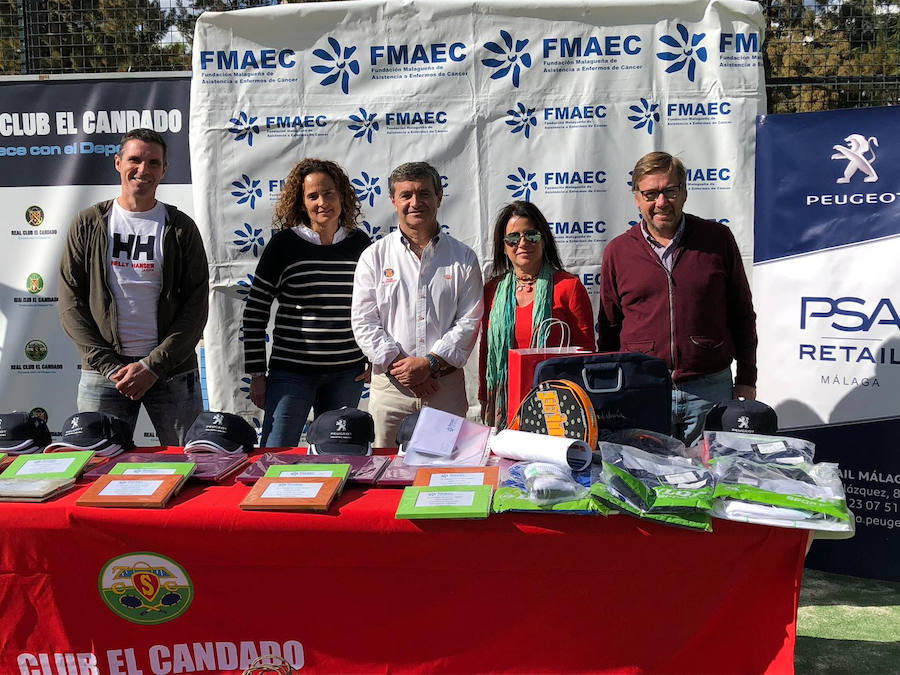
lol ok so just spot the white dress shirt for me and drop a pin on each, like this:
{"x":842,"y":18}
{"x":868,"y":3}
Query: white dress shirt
{"x":406,"y":306}
{"x":310,"y":235}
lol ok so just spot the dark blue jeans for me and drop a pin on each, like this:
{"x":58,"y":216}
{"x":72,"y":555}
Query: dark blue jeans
{"x":290,"y":397}
{"x":692,"y":399}
{"x":172,"y":404}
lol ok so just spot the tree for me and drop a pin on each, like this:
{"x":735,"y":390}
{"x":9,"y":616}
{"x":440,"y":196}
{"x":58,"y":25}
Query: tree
{"x":75,"y":36}
{"x":831,"y":54}
{"x":185,"y":14}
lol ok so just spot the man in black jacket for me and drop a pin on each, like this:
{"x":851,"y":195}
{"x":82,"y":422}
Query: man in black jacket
{"x":133,"y":297}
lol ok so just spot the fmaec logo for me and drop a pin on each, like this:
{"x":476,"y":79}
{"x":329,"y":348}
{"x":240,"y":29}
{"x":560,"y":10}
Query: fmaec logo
{"x":363,"y":125}
{"x":513,"y":57}
{"x":366,"y":188}
{"x":855,"y":154}
{"x":336,"y":65}
{"x":521,"y":119}
{"x":244,"y":126}
{"x":644,"y":115}
{"x":34,"y":216}
{"x":522,"y":184}
{"x":146,"y":588}
{"x":686,"y":51}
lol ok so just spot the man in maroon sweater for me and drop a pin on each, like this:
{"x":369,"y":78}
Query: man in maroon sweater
{"x":674,"y":287}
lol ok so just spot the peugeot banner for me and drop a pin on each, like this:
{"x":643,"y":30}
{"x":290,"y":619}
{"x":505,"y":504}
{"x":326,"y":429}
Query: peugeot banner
{"x":827,"y":241}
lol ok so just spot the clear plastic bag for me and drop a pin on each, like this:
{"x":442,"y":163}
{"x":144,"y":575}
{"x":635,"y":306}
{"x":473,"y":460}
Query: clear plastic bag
{"x":547,"y":483}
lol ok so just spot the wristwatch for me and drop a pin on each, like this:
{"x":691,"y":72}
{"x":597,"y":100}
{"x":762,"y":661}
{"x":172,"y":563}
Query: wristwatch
{"x":434,"y":365}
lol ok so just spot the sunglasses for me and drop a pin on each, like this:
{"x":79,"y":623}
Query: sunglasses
{"x":513,"y":238}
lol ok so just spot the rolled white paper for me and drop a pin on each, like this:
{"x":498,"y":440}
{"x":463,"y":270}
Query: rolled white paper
{"x":528,"y":447}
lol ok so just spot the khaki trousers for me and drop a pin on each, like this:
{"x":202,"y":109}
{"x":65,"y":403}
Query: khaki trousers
{"x":388,"y":405}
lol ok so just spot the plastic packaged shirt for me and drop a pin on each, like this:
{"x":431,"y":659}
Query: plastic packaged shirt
{"x":757,"y":447}
{"x":799,"y":495}
{"x":654,"y":483}
{"x":649,"y":441}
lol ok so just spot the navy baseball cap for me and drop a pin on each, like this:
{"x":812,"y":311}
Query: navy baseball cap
{"x":346,"y":431}
{"x":22,"y":433}
{"x":742,"y":415}
{"x":105,"y":434}
{"x":220,"y":432}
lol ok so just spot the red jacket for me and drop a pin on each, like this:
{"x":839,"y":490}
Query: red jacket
{"x":571,"y":304}
{"x":697,"y":320}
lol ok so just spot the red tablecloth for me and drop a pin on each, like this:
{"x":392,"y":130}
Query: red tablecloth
{"x":354,"y":590}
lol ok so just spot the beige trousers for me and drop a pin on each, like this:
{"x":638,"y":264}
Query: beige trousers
{"x":388,"y":405}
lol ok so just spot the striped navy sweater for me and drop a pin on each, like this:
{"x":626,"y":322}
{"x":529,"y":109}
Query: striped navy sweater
{"x":313,"y":285}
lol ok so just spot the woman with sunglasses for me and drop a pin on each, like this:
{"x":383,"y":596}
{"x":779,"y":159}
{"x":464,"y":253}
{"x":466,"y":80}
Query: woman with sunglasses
{"x":528,"y":286}
{"x":308,"y":268}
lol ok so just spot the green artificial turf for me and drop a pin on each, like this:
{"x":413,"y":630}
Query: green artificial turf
{"x":847,"y":625}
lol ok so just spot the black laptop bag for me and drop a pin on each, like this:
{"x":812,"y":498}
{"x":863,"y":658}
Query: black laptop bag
{"x":628,"y":390}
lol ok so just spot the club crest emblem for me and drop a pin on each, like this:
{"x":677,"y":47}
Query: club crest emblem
{"x":34,"y":283}
{"x":858,"y":146}
{"x":146,"y":588}
{"x":36,"y":350}
{"x":34,"y":216}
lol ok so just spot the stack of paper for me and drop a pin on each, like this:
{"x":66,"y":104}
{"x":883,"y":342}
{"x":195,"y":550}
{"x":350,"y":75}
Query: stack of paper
{"x":443,"y":439}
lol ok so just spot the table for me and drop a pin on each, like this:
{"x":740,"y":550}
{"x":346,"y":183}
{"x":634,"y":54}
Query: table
{"x":354,"y":590}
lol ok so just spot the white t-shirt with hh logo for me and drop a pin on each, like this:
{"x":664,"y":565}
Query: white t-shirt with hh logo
{"x":134,"y":262}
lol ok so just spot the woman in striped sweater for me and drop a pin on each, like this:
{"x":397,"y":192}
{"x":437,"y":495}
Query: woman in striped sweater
{"x":308,"y":267}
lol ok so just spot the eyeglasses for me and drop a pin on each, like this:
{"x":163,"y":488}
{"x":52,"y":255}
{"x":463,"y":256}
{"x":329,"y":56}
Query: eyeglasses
{"x":669,"y":193}
{"x":531,"y":236}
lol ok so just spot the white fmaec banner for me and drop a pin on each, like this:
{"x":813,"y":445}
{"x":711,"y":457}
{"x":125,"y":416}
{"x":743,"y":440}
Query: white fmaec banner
{"x":551,"y":102}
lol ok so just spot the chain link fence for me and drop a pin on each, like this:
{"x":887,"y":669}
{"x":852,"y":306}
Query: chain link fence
{"x":818,"y":54}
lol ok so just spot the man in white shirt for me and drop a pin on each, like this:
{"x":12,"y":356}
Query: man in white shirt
{"x":417,"y":304}
{"x":133,"y":297}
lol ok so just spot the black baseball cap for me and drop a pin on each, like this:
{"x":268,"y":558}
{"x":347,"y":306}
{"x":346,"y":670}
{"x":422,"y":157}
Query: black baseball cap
{"x":220,"y":432}
{"x":742,"y":415}
{"x":105,"y":434}
{"x":405,"y":431}
{"x":346,"y":431}
{"x":22,"y":433}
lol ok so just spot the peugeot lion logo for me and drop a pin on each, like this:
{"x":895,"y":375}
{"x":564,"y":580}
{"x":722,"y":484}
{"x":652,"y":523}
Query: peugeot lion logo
{"x":855,"y":154}
{"x":218,"y":418}
{"x":743,"y":422}
{"x":341,"y":425}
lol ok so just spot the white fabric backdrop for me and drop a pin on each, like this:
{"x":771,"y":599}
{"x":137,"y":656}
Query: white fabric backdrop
{"x":551,"y":102}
